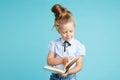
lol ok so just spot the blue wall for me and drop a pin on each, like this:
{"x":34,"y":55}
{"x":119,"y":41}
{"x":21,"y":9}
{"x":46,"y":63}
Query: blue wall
{"x":25,"y":31}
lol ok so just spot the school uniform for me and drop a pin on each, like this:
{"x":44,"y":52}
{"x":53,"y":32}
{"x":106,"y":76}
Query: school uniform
{"x":61,"y":48}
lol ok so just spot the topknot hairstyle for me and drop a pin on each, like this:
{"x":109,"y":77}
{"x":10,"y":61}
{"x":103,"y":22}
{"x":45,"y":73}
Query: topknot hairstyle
{"x":62,"y":15}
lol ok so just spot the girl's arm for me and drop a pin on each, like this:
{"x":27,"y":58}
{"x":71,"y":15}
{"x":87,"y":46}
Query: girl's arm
{"x":54,"y":61}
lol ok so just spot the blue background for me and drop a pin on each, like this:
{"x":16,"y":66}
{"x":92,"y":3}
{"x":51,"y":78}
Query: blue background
{"x":25,"y":31}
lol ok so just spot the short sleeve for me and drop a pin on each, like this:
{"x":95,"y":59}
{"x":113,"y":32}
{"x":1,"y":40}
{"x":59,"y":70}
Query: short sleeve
{"x":81,"y":49}
{"x":51,"y":46}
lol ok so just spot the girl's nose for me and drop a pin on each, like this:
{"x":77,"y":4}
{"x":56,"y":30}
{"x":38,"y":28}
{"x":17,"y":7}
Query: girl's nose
{"x":68,"y":34}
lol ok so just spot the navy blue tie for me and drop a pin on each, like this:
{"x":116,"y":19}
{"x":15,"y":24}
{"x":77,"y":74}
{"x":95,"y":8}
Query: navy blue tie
{"x":66,"y":44}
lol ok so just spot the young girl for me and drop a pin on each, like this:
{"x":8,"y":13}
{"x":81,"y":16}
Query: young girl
{"x":62,"y":50}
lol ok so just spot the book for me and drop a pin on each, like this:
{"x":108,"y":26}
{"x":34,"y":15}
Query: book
{"x":66,"y":67}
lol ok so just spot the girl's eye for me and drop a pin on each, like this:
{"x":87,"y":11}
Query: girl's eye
{"x":71,"y":31}
{"x":64,"y":32}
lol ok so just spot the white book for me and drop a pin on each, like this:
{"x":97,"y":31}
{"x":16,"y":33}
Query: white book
{"x":66,"y":68}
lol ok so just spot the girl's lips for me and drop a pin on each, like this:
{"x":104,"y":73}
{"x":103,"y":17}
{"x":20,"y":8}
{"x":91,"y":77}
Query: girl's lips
{"x":68,"y":38}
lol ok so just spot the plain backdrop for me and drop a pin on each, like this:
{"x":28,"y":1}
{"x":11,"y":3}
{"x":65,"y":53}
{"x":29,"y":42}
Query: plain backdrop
{"x":25,"y":32}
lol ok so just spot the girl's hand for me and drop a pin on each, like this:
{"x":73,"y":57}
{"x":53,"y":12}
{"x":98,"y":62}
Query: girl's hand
{"x":64,"y":75}
{"x":65,"y":60}
{"x":69,"y":59}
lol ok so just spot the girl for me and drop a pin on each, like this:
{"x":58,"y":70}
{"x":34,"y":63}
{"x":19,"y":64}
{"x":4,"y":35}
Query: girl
{"x":62,"y":50}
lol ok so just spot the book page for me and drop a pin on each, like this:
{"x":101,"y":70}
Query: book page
{"x":54,"y":69}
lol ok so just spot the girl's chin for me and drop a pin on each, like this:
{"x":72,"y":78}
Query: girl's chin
{"x":68,"y":39}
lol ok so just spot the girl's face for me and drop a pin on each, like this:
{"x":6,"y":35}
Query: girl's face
{"x":67,"y":31}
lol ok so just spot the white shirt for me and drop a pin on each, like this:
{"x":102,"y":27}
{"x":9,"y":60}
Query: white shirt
{"x":74,"y":50}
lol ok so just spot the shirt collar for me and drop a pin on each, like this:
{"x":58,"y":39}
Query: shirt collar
{"x":62,"y":40}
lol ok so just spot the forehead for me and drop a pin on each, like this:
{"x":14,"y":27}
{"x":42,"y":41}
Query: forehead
{"x":68,"y":25}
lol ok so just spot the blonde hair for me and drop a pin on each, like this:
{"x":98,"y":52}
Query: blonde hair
{"x":62,"y":16}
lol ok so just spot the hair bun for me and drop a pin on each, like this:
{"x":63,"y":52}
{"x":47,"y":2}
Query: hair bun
{"x":60,"y":12}
{"x":62,"y":15}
